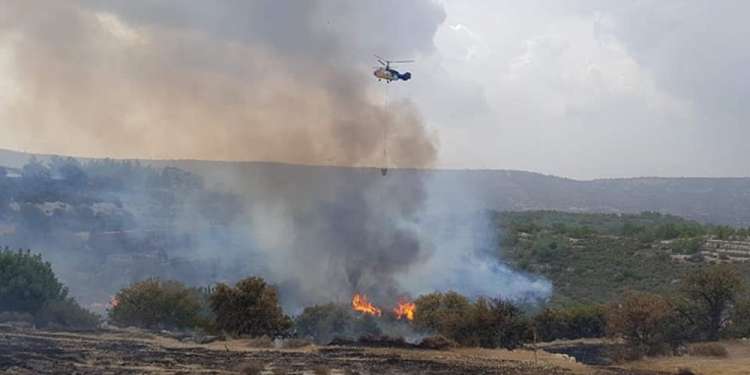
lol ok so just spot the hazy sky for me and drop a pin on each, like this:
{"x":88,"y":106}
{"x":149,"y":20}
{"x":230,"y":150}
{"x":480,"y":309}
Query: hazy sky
{"x":581,"y":89}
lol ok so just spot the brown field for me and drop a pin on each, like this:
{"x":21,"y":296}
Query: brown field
{"x":28,"y":351}
{"x":737,"y":363}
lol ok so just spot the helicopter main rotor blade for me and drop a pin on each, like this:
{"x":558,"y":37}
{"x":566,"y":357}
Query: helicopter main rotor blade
{"x":401,"y":61}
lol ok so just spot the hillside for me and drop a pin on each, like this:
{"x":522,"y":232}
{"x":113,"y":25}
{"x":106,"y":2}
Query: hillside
{"x":707,"y":200}
{"x":105,"y":223}
{"x":593,"y":258}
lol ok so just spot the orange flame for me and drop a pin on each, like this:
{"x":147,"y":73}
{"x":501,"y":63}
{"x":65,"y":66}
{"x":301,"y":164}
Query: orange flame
{"x":361,"y":304}
{"x":405,"y":309}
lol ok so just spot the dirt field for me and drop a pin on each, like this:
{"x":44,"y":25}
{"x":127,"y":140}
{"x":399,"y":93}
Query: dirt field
{"x":27,"y":351}
{"x":737,"y":363}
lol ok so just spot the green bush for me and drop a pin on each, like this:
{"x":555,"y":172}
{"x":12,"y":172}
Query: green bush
{"x":485,"y":322}
{"x":497,"y":323}
{"x":154,"y":303}
{"x":446,"y":314}
{"x":27,"y":282}
{"x":67,"y":314}
{"x":740,"y":320}
{"x":571,"y":323}
{"x":29,"y":288}
{"x":323,"y":323}
{"x":687,"y":246}
{"x":250,"y":308}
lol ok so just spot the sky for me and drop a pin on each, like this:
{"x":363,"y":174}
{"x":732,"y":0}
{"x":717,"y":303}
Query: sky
{"x":581,"y":89}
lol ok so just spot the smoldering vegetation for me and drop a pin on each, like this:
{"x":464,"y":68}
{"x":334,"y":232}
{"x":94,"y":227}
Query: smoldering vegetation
{"x":320,"y":234}
{"x":279,"y":81}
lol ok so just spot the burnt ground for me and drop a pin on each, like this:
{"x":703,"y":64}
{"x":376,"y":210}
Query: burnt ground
{"x":28,"y":351}
{"x":590,"y":353}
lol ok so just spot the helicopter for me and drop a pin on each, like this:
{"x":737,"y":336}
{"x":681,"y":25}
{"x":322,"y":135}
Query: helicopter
{"x":385,"y":72}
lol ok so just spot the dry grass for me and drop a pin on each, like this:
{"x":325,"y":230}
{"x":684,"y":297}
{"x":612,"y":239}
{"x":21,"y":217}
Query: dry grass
{"x":295,"y":343}
{"x":264,"y":342}
{"x":736,"y":363}
{"x":710,"y":349}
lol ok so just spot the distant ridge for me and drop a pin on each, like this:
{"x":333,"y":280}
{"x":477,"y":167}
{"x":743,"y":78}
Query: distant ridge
{"x":724,"y":200}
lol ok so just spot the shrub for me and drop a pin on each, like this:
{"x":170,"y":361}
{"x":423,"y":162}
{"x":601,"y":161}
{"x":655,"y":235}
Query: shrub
{"x":647,"y":322}
{"x":740,"y":319}
{"x":250,"y":308}
{"x":323,"y":323}
{"x":29,"y":288}
{"x":485,"y":322}
{"x":27,"y":282}
{"x":446,"y":314}
{"x":712,"y":290}
{"x":68,"y":314}
{"x":571,"y":323}
{"x":708,"y":350}
{"x":497,"y":323}
{"x":154,"y":303}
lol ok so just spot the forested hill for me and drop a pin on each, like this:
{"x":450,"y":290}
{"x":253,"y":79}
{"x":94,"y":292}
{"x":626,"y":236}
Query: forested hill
{"x":595,"y":258}
{"x":707,"y":200}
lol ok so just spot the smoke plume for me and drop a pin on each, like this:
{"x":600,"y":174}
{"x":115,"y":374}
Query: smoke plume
{"x":283,"y":81}
{"x":260,"y":80}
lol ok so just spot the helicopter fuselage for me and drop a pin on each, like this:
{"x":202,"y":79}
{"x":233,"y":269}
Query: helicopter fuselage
{"x":389,"y":74}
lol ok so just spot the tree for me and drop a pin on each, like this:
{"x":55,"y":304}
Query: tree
{"x":66,"y":313}
{"x":154,"y":303}
{"x":644,"y":321}
{"x":712,"y":291}
{"x":571,"y":323}
{"x":498,"y":323}
{"x":250,"y":308}
{"x":27,"y":282}
{"x":35,"y":170}
{"x":70,"y":170}
{"x":485,"y":322}
{"x":28,"y":286}
{"x":741,"y":319}
{"x":446,"y":314}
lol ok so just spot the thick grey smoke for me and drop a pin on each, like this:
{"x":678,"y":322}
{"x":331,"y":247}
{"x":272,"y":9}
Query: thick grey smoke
{"x":262,"y":80}
{"x":274,"y":80}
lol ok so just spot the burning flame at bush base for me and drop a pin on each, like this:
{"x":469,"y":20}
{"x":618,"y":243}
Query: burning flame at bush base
{"x":361,"y":304}
{"x":404,"y":310}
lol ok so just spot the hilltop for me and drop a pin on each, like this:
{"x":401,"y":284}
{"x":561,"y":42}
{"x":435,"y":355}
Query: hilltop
{"x":706,"y":200}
